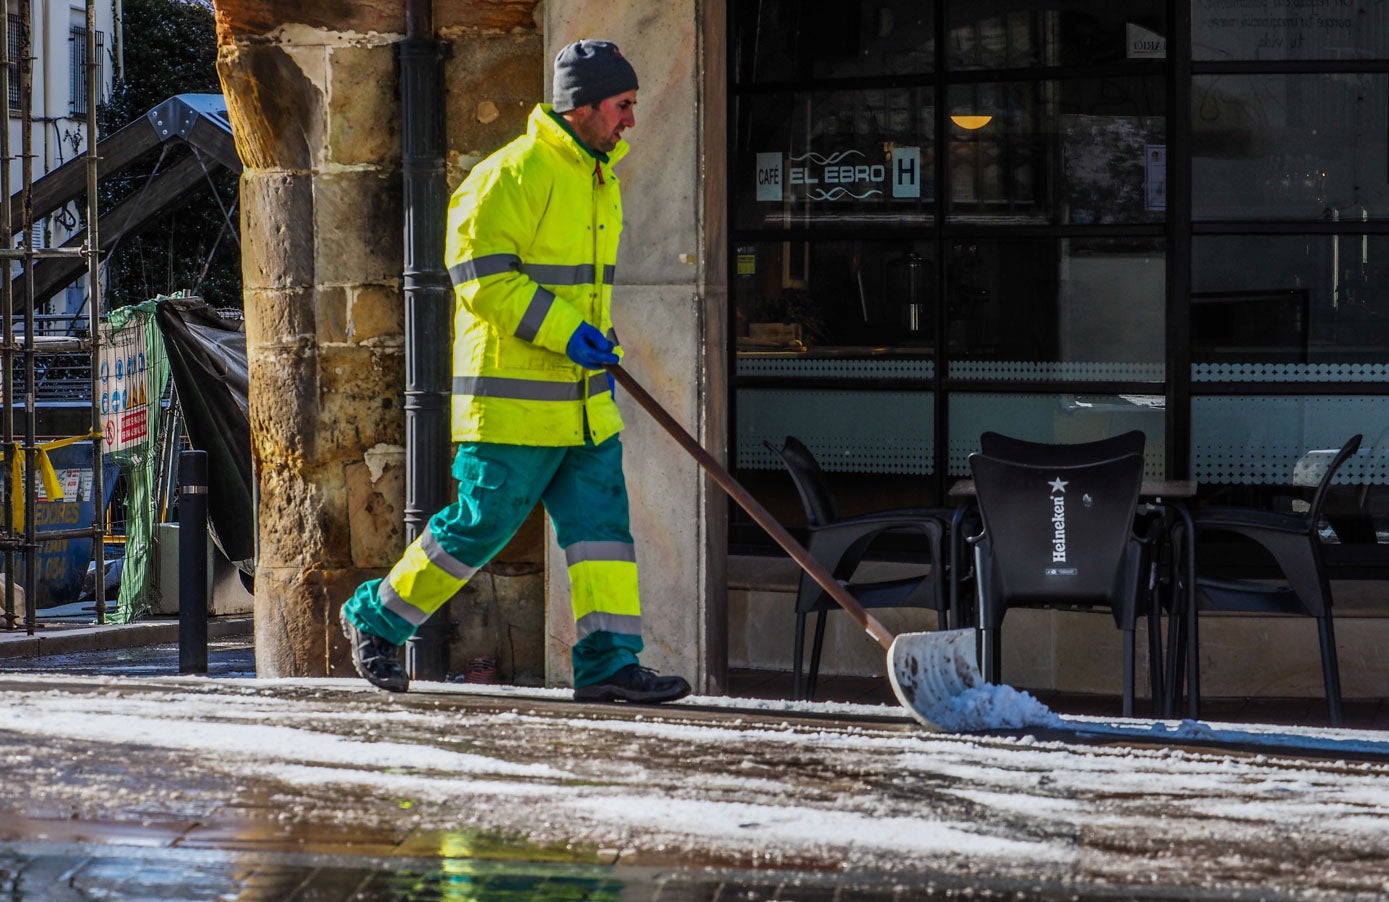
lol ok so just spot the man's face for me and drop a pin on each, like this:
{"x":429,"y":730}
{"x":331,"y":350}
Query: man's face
{"x":600,"y":125}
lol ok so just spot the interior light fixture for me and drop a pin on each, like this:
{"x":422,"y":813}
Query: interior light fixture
{"x":971,"y":123}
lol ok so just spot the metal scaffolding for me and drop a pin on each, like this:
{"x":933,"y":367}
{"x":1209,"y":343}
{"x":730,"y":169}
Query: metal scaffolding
{"x":19,"y":534}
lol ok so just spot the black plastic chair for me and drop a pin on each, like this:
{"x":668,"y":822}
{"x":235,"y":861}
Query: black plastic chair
{"x":1006,"y":447}
{"x":1294,"y":542}
{"x":840,"y":544}
{"x":1063,"y":537}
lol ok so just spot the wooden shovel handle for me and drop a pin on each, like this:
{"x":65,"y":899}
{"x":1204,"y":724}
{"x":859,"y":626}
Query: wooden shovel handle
{"x":798,"y":553}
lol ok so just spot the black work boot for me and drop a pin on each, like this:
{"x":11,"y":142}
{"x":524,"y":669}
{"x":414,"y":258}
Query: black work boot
{"x":377,"y":660}
{"x":634,"y":683}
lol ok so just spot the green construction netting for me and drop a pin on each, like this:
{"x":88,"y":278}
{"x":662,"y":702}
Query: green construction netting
{"x":133,"y":332}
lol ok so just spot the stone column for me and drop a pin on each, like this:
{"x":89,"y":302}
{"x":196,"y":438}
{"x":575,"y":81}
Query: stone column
{"x":317,"y":125}
{"x":311,"y":89}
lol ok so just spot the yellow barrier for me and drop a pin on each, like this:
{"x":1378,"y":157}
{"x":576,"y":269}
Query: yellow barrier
{"x":53,"y":489}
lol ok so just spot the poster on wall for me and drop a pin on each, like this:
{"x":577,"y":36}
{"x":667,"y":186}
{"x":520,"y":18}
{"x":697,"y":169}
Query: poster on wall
{"x":124,"y":384}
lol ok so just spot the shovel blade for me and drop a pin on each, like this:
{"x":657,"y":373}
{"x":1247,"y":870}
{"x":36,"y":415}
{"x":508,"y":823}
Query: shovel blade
{"x":927,"y":670}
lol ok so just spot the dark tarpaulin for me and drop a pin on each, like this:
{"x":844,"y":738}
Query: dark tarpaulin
{"x":207,"y":359}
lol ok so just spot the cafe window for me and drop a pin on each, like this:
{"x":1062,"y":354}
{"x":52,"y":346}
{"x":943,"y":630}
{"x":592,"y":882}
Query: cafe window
{"x":1288,"y":308}
{"x":1077,"y":151}
{"x":1290,"y":146}
{"x":801,"y":40}
{"x":1334,"y":30}
{"x":77,"y":68}
{"x":17,"y":47}
{"x":941,"y":214}
{"x":1008,"y":34}
{"x":835,"y":158}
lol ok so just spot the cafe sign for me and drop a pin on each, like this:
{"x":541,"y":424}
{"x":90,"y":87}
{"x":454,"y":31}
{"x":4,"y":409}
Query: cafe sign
{"x":845,"y":175}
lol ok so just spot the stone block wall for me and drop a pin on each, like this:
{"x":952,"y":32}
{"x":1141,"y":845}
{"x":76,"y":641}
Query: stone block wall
{"x":312,"y":91}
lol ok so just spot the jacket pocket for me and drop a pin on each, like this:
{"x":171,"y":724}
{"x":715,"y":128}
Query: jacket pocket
{"x":522,"y":355}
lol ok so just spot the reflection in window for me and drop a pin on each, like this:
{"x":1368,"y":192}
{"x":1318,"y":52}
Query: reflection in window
{"x":1268,"y":452}
{"x":1038,"y":309}
{"x":1072,"y":151}
{"x":17,"y":47}
{"x":1290,"y":300}
{"x":835,"y":156}
{"x":789,"y":40}
{"x":848,"y":431}
{"x":1011,"y":34}
{"x":820,"y":295}
{"x":1310,"y":147}
{"x":785,"y":40}
{"x":1055,"y":418}
{"x":1051,"y":308}
{"x":1288,"y":31}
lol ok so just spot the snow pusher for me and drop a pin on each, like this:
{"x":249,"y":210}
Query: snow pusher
{"x":927,"y":670}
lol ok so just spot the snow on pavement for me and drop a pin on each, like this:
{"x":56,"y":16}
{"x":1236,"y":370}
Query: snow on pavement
{"x":739,"y":787}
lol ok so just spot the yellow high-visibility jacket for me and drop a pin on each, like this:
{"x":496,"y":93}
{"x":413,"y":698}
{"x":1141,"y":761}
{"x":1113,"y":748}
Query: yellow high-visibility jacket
{"x":532,"y":249}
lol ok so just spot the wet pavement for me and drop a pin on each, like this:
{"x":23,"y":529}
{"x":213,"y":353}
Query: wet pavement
{"x":126,"y":782}
{"x":103,"y":872}
{"x":229,"y":657}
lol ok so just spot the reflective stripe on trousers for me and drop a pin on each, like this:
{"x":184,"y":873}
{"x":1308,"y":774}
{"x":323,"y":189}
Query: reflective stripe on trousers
{"x":603,"y":577}
{"x":583,"y":490}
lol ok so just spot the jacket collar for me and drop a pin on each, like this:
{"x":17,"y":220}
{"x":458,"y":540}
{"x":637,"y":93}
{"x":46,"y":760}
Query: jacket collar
{"x":542,"y":125}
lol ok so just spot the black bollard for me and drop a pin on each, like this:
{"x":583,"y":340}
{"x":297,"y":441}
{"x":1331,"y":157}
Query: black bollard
{"x":192,"y":562}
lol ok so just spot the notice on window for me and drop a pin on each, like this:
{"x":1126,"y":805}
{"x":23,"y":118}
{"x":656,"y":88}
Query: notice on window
{"x":1283,"y":29}
{"x":124,"y":383}
{"x":769,"y":176}
{"x":76,"y":483}
{"x":906,"y":172}
{"x":1144,"y":44}
{"x":1156,"y":176}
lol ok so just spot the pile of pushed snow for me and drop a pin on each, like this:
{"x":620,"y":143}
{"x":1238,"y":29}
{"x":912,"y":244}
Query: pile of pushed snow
{"x":991,"y":707}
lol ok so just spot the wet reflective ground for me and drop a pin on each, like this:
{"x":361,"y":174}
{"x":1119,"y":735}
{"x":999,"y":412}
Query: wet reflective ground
{"x":51,"y":859}
{"x":108,"y":802}
{"x":39,"y":871}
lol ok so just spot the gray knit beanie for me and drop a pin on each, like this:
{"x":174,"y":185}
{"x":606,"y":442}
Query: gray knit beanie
{"x":589,"y":71}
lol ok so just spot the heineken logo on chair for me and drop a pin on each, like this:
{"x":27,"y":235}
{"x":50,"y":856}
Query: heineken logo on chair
{"x":1057,"y":524}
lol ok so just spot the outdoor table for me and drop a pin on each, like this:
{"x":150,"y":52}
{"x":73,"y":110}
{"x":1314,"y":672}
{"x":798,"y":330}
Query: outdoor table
{"x":1172,"y":493}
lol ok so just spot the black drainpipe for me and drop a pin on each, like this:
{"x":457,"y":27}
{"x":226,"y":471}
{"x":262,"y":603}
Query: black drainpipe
{"x":428,"y":299}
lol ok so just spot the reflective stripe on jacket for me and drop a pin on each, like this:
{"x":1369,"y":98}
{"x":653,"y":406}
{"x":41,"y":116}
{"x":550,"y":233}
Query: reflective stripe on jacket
{"x":532,"y":249}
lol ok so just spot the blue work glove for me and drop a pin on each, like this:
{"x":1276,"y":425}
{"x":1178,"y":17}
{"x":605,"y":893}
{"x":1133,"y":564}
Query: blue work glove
{"x":589,"y":349}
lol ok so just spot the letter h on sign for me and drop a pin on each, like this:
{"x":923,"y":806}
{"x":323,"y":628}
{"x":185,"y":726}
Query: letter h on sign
{"x":906,"y":172}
